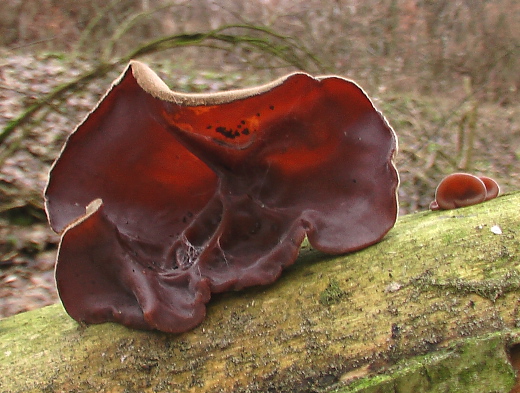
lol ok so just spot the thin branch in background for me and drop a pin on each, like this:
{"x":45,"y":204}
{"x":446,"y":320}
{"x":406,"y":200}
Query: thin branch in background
{"x":126,"y":25}
{"x":15,"y":144}
{"x":92,"y":25}
{"x":467,"y":128}
{"x":33,"y":43}
{"x":57,"y":94}
{"x":4,"y":87}
{"x":469,"y":98}
{"x":262,"y":43}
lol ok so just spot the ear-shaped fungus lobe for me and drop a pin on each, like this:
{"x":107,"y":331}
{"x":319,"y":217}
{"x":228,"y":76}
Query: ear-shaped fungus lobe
{"x":102,"y":277}
{"x":209,"y":193}
{"x":492,"y":187}
{"x":463,"y":189}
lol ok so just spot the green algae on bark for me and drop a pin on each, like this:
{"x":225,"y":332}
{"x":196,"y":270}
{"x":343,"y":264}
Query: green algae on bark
{"x":471,"y":365}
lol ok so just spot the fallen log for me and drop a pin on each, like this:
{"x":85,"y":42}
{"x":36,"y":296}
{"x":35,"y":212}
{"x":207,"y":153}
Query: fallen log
{"x":433,"y":307}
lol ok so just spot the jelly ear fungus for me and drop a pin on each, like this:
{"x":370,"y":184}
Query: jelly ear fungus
{"x":463,"y":189}
{"x":196,"y":194}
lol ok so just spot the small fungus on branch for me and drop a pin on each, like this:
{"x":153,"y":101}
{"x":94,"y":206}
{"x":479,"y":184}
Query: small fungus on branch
{"x":463,"y":189}
{"x":165,"y":198}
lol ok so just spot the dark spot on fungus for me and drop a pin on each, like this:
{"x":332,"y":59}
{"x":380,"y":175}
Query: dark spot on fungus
{"x":239,"y":207}
{"x":227,"y":133}
{"x":271,"y":107}
{"x":463,"y":189}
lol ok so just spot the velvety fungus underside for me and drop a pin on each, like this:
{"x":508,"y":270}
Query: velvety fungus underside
{"x":165,"y":198}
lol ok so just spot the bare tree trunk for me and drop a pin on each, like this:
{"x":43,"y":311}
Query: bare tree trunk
{"x":432,"y":307}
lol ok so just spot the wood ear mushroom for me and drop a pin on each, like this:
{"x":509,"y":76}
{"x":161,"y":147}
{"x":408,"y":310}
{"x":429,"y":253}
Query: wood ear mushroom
{"x":463,"y":189}
{"x":198,"y":194}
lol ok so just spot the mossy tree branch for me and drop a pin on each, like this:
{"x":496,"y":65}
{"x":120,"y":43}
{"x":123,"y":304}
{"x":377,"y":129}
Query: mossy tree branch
{"x":437,"y":281}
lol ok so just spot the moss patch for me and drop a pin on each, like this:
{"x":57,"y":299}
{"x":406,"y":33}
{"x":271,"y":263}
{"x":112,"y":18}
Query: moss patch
{"x":470,"y":365}
{"x":333,"y":294}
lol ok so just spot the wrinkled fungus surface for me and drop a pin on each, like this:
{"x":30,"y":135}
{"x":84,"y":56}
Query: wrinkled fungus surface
{"x":165,"y":198}
{"x":463,"y":189}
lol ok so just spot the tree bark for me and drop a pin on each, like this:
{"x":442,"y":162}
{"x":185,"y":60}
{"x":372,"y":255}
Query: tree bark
{"x":433,"y":307}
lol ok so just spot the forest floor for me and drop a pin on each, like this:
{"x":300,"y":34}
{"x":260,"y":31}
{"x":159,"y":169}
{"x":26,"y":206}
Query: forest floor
{"x":432,"y":129}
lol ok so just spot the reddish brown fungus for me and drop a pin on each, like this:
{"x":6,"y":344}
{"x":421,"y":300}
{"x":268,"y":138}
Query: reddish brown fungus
{"x":463,"y":189}
{"x":492,"y":188}
{"x":183,"y":203}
